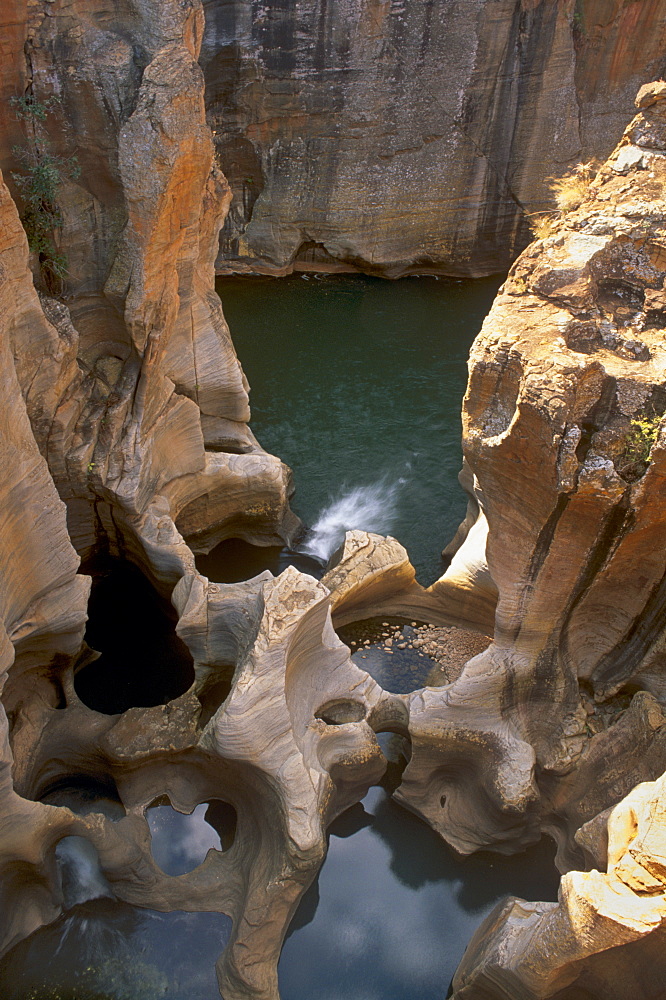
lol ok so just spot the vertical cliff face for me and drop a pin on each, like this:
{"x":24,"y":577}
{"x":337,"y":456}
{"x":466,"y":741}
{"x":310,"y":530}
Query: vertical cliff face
{"x":42,"y":599}
{"x":149,"y":397}
{"x":564,"y":430}
{"x":398,"y":137}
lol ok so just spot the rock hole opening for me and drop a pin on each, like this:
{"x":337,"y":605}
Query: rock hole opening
{"x":84,"y":794}
{"x":143,"y":662}
{"x":235,"y":560}
{"x":180,"y":842}
{"x":339,"y":713}
{"x":214,"y":694}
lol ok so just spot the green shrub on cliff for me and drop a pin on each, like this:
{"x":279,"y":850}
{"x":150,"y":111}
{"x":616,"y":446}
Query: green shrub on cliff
{"x":42,"y":174}
{"x":635,"y":456}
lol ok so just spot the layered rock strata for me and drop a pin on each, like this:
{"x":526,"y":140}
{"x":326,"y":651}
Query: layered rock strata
{"x":131,"y":381}
{"x":411,"y":137}
{"x":121,"y":392}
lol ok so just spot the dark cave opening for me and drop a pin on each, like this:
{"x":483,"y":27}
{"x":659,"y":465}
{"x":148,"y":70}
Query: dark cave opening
{"x":143,"y":662}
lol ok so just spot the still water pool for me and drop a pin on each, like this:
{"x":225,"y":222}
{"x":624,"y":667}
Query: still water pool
{"x":393,"y":909}
{"x":356,"y":383}
{"x":388,"y":919}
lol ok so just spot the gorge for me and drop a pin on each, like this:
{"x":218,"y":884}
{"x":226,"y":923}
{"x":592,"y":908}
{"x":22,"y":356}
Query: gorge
{"x":244,"y":718}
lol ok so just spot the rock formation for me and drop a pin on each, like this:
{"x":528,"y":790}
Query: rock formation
{"x":125,"y":400}
{"x":568,"y":377}
{"x":412,"y":137}
{"x":605,"y":936}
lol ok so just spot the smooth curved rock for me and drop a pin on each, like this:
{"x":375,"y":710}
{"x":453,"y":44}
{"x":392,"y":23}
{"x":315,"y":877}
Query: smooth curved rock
{"x":605,"y":937}
{"x":271,"y":749}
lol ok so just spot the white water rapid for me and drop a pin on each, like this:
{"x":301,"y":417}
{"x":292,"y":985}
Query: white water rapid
{"x":81,"y":876}
{"x":368,"y":508}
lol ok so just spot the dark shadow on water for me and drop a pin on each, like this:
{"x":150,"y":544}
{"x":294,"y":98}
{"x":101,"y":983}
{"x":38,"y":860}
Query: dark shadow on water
{"x":480,"y":878}
{"x":350,"y":822}
{"x":143,"y":662}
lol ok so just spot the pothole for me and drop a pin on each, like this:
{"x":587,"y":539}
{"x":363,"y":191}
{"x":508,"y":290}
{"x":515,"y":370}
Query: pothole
{"x":181,"y":841}
{"x":236,"y":560}
{"x":403,"y":655}
{"x":83,"y":794}
{"x":143,"y":662}
{"x":398,"y":751}
{"x":339,"y":713}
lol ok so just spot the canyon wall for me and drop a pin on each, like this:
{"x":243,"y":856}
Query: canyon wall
{"x":142,"y":394}
{"x":416,"y":137}
{"x":125,"y":400}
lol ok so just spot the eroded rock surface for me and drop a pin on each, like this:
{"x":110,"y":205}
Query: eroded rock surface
{"x":131,"y":392}
{"x":411,"y":137}
{"x":605,"y":936}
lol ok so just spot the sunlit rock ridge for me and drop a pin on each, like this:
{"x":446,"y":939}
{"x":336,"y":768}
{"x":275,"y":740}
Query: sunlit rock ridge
{"x":124,"y":431}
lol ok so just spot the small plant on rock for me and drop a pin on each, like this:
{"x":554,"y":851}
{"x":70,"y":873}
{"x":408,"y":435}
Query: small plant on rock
{"x":42,"y":174}
{"x":635,"y":457}
{"x":571,"y":190}
{"x":542,"y":224}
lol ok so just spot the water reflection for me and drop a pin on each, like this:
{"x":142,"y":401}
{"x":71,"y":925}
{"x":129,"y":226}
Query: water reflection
{"x":393,"y":909}
{"x":107,"y":950}
{"x":180,"y":842}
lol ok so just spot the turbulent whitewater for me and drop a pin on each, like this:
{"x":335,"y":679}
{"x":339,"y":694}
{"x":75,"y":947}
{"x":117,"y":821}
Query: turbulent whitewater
{"x":369,"y":508}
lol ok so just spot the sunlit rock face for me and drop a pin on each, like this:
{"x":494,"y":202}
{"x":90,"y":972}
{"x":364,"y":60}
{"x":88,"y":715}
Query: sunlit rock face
{"x":564,"y":428}
{"x":605,"y":936}
{"x":136,"y":374}
{"x":411,"y":137}
{"x":112,"y":396}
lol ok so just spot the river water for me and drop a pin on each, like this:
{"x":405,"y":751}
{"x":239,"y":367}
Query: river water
{"x":356,"y":384}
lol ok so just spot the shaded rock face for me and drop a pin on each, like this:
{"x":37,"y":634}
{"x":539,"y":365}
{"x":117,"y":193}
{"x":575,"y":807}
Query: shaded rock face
{"x":43,"y":600}
{"x":411,"y":137}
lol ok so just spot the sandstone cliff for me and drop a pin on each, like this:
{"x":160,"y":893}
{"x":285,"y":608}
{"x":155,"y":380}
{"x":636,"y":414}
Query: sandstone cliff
{"x":564,"y":430}
{"x":128,"y":397}
{"x":138,"y":392}
{"x":412,"y":137}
